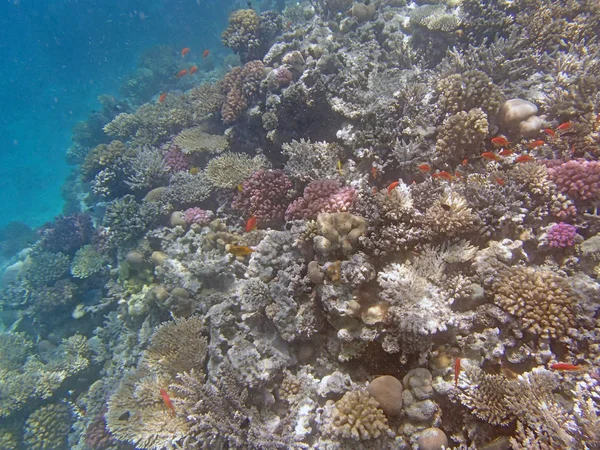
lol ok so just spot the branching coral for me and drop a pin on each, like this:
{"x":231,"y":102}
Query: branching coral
{"x":148,"y":170}
{"x":66,"y":234}
{"x":579,"y":179}
{"x":462,"y":135}
{"x":87,"y":261}
{"x":449,"y":215}
{"x":265,"y":196}
{"x":128,"y":220}
{"x":338,"y":232}
{"x":46,"y":268}
{"x":357,"y":416}
{"x":196,"y":140}
{"x":321,"y":196}
{"x":309,"y":161}
{"x":240,"y":85}
{"x":543,"y":302}
{"x":104,"y":156}
{"x":249,"y":34}
{"x":486,"y":396}
{"x":47,"y":427}
{"x":230,"y":169}
{"x":188,"y":190}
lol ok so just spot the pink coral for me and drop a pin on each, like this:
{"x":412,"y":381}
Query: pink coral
{"x":264,"y":195}
{"x":198,"y":216}
{"x":321,"y":196}
{"x":579,"y":179}
{"x":177,"y":160}
{"x":561,"y":235}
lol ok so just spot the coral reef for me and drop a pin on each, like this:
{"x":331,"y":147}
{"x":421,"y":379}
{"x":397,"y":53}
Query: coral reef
{"x":321,"y":196}
{"x":230,"y":169}
{"x":196,"y":140}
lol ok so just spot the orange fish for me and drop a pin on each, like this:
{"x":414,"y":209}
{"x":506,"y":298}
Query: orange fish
{"x":506,"y":152}
{"x":182,"y":73}
{"x":193,"y":70}
{"x":374,"y":172}
{"x":162,"y":97}
{"x":425,"y":168}
{"x":464,"y":162}
{"x":564,"y":126}
{"x":250,"y":224}
{"x":524,"y":158}
{"x":457,"y":175}
{"x":500,"y":141}
{"x":535,"y":144}
{"x":549,"y":132}
{"x":239,"y":250}
{"x":392,"y":186}
{"x":489,"y":156}
{"x":443,"y":175}
{"x":184,"y":51}
{"x":499,"y":180}
{"x":167,"y":401}
{"x":564,"y":366}
{"x":205,"y":53}
{"x":456,"y":371}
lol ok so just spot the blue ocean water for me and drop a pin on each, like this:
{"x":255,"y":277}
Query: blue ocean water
{"x":57,"y":58}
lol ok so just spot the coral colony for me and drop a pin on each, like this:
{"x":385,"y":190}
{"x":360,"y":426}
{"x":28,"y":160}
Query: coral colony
{"x":373,"y":226}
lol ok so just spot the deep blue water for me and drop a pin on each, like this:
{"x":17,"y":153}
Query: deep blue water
{"x":57,"y":57}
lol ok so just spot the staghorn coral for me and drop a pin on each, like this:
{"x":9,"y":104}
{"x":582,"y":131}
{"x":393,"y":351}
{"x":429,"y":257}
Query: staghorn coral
{"x":87,"y":261}
{"x":338,"y":231}
{"x":148,"y":170}
{"x":462,"y":135}
{"x":240,"y":85}
{"x":230,"y":169}
{"x":265,"y":196}
{"x":166,"y":356}
{"x":308,"y":161}
{"x":196,"y":140}
{"x":321,"y":196}
{"x":467,"y":90}
{"x":47,"y":427}
{"x":358,"y":417}
{"x":542,"y":301}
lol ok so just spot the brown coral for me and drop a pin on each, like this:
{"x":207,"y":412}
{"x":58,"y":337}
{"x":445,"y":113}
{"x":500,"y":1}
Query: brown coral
{"x":449,"y":215}
{"x":242,"y":33}
{"x":486,"y":395}
{"x":239,"y":85}
{"x":103,"y":156}
{"x":357,"y":416}
{"x":543,"y":302}
{"x":467,"y":90}
{"x":462,"y":135}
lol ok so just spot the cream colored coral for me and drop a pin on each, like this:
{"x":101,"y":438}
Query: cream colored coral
{"x":486,"y":395}
{"x":195,"y":139}
{"x":338,"y":231}
{"x":357,"y":416}
{"x":449,"y":215}
{"x":543,"y":302}
{"x":47,"y":427}
{"x":230,"y":169}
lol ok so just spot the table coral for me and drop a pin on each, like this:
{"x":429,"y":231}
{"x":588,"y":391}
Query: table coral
{"x":264,"y":195}
{"x":230,"y":169}
{"x":197,"y":140}
{"x":542,"y":301}
{"x":309,"y":161}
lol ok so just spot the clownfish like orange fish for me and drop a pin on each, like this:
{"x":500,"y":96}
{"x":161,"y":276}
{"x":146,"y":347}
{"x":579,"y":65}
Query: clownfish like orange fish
{"x":162,"y":97}
{"x":205,"y":53}
{"x":250,"y":224}
{"x":181,"y":73}
{"x":193,"y":70}
{"x":184,"y":51}
{"x":167,"y":401}
{"x":456,"y":371}
{"x":564,"y":366}
{"x":392,"y":186}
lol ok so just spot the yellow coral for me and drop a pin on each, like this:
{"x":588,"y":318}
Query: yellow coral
{"x":357,"y":416}
{"x":195,"y":139}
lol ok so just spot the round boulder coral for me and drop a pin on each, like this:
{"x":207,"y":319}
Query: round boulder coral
{"x":387,"y":390}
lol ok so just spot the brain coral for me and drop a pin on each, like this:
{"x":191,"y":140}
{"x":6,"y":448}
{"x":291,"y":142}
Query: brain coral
{"x":543,"y":302}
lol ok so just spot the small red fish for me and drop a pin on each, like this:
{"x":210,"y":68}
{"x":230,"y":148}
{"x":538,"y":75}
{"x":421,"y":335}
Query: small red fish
{"x":456,"y":371}
{"x":490,"y":156}
{"x":392,"y":186}
{"x":564,"y":366}
{"x":425,"y":168}
{"x":524,"y":158}
{"x":193,"y":70}
{"x":250,"y":224}
{"x":464,"y":162}
{"x":205,"y":53}
{"x":506,"y":152}
{"x":182,"y":73}
{"x":500,"y":141}
{"x":549,"y":132}
{"x":184,"y":51}
{"x":443,"y":175}
{"x":162,"y":97}
{"x":167,"y":401}
{"x":564,"y":126}
{"x":374,"y":172}
{"x":499,"y":180}
{"x":535,"y":144}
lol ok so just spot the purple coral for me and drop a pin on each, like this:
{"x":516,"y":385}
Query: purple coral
{"x":579,"y":178}
{"x":66,"y":234}
{"x":561,"y":235}
{"x":265,"y":196}
{"x":321,"y":196}
{"x":198,"y":216}
{"x":283,"y":76}
{"x":177,"y":160}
